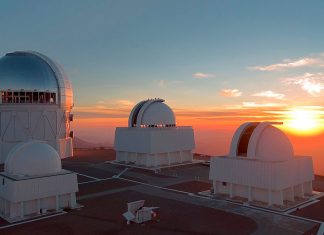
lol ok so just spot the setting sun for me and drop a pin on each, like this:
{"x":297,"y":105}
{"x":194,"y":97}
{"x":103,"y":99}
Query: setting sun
{"x":303,"y":121}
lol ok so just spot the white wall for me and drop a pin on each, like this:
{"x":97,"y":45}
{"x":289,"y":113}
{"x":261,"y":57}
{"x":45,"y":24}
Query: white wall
{"x":41,"y":187}
{"x":40,"y":122}
{"x":28,"y":196}
{"x":154,"y":160}
{"x":261,"y":174}
{"x":154,"y":140}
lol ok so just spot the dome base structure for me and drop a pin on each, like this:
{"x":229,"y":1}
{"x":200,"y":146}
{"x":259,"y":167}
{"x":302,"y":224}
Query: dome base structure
{"x":152,"y":138}
{"x":261,"y":167}
{"x":154,"y":147}
{"x":34,"y":184}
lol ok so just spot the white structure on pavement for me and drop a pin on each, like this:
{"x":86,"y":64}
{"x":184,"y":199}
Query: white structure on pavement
{"x":138,"y":213}
{"x":262,"y":167}
{"x":33,"y":182}
{"x":152,"y":138}
{"x":36,"y":101}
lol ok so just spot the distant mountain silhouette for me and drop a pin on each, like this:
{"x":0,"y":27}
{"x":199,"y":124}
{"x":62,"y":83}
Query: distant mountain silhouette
{"x":80,"y":143}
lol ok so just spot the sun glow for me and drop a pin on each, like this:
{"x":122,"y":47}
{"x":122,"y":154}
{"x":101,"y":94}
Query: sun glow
{"x":303,"y":122}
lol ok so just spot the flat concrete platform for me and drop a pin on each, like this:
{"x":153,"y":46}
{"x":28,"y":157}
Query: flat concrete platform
{"x":104,"y":190}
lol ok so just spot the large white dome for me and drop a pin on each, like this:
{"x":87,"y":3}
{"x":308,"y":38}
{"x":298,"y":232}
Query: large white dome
{"x":152,"y":113}
{"x":33,"y":158}
{"x":28,"y":71}
{"x":261,"y":141}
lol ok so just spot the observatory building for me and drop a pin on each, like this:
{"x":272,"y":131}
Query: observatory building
{"x":35,"y":103}
{"x":261,"y":167}
{"x":152,"y":138}
{"x":34,"y":183}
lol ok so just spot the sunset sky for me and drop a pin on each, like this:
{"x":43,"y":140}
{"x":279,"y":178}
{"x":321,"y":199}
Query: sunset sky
{"x":216,"y":63}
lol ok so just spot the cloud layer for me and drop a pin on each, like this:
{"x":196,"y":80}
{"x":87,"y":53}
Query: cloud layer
{"x":312,"y":83}
{"x":202,"y":75}
{"x":261,"y":105}
{"x":230,"y":93}
{"x":289,"y":64}
{"x":269,"y":94}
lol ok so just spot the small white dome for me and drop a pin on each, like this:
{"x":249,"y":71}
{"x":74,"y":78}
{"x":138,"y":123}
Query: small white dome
{"x":273,"y":145}
{"x":33,"y":158}
{"x":152,"y":112}
{"x":158,"y":113}
{"x":261,"y":141}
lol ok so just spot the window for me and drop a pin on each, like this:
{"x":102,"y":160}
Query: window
{"x":53,"y":98}
{"x":35,"y":97}
{"x":41,"y":97}
{"x":16,"y":97}
{"x":29,"y":97}
{"x":47,"y":97}
{"x":22,"y":97}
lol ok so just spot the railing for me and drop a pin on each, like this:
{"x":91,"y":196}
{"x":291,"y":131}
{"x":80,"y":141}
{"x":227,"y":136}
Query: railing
{"x":27,"y":97}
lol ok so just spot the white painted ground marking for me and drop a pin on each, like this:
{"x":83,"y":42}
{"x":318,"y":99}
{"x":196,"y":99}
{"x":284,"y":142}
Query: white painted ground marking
{"x":98,"y":180}
{"x":91,"y":177}
{"x":321,"y":229}
{"x":154,"y":186}
{"x":122,"y":172}
{"x":156,"y":168}
{"x":32,"y":220}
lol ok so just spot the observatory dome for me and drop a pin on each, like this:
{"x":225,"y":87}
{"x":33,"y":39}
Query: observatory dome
{"x":33,"y":158}
{"x":152,"y":113}
{"x":26,"y":71}
{"x":30,"y":71}
{"x":261,"y":141}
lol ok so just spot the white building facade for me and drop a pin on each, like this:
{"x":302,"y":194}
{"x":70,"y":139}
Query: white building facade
{"x":152,"y":138}
{"x":35,"y":103}
{"x":34,"y":183}
{"x":262,"y":167}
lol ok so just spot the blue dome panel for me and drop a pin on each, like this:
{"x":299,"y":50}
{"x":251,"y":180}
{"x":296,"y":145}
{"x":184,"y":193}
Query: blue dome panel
{"x":26,"y":71}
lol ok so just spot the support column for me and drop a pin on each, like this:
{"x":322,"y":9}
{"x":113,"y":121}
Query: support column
{"x":281,"y":198}
{"x":215,"y":187}
{"x":72,"y":200}
{"x":292,"y":194}
{"x":117,"y":156}
{"x":269,"y":197}
{"x":231,"y":190}
{"x":169,"y":162}
{"x":250,"y":193}
{"x":302,"y":190}
{"x":310,"y":187}
{"x":5,"y":206}
{"x":147,"y":160}
{"x":57,"y":203}
{"x":38,"y":206}
{"x":21,"y":209}
{"x":181,"y":157}
{"x":155,"y":160}
{"x":126,"y":157}
{"x":137,"y":162}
